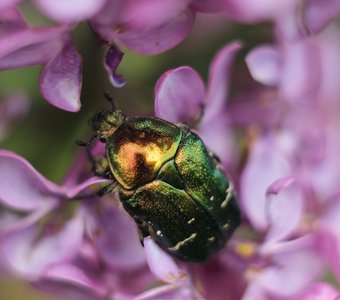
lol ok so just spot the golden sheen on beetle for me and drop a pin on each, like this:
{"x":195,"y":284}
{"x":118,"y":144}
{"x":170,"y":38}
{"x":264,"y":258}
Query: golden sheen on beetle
{"x":169,"y":183}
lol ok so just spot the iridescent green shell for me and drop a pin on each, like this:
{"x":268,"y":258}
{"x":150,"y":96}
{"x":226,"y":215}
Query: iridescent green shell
{"x":173,"y":187}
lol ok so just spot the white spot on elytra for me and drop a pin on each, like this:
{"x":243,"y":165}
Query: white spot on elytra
{"x":211,"y":239}
{"x":191,"y":221}
{"x":229,"y":195}
{"x":181,"y":243}
{"x":226,"y":226}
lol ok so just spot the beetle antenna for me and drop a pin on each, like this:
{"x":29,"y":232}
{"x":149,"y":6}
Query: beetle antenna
{"x":86,"y":144}
{"x":109,"y":98}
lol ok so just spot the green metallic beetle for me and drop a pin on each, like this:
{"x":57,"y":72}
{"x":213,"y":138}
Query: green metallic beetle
{"x":169,"y":183}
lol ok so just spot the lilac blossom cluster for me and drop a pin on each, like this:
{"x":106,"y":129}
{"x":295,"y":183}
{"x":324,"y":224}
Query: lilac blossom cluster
{"x":278,"y":139}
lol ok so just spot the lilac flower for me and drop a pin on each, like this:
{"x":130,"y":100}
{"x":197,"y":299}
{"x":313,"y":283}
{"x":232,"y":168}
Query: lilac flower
{"x":133,"y":24}
{"x":25,"y":191}
{"x":59,"y":243}
{"x":301,"y":148}
{"x":292,"y":19}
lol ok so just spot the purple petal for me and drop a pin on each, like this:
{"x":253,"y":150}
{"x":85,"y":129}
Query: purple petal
{"x":152,"y":13}
{"x":11,"y":22}
{"x":13,"y":109}
{"x":61,"y":79}
{"x":11,"y":221}
{"x":112,"y":60}
{"x":85,"y":187}
{"x":161,"y":264}
{"x":318,"y":291}
{"x":297,"y":264}
{"x":318,"y":13}
{"x":289,"y":27}
{"x":284,"y":208}
{"x":29,"y":254}
{"x":4,"y":4}
{"x":218,"y":137}
{"x":255,"y":11}
{"x":65,"y":11}
{"x":158,"y":39}
{"x":264,"y":64}
{"x":117,"y":239}
{"x":71,"y":274}
{"x":22,"y":187}
{"x":255,"y":291}
{"x":28,"y":47}
{"x":300,"y":76}
{"x":221,"y":275}
{"x":218,"y":86}
{"x":179,"y":95}
{"x":266,"y":164}
{"x":185,"y":292}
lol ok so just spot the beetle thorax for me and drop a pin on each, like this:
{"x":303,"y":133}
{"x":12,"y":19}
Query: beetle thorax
{"x":139,"y":148}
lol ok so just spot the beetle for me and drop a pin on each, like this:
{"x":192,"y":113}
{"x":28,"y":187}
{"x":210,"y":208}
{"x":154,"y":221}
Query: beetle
{"x":169,"y":182}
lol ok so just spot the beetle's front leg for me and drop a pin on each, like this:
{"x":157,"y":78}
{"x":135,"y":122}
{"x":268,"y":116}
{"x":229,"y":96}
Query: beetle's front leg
{"x":100,"y":164}
{"x":100,"y":167}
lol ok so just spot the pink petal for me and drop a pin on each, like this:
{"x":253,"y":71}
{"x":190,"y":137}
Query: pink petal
{"x":61,"y":79}
{"x":65,"y":11}
{"x":318,"y":13}
{"x":264,"y":64}
{"x":265,"y":165}
{"x":29,"y":255}
{"x":11,"y":21}
{"x":22,"y":187}
{"x":157,"y":39}
{"x":255,"y":291}
{"x":71,"y":274}
{"x":4,"y":4}
{"x":218,"y":137}
{"x":300,"y":76}
{"x":284,"y":208}
{"x":318,"y":291}
{"x":184,"y":292}
{"x":296,"y":263}
{"x":289,"y":27}
{"x":255,"y":11}
{"x":218,"y":86}
{"x":161,"y":264}
{"x":179,"y":95}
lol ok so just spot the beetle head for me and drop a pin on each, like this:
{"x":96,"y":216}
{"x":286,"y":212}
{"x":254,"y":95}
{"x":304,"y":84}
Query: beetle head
{"x":105,"y":122}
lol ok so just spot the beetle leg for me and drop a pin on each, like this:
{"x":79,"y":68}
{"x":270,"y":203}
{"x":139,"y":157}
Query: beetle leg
{"x":143,"y":229}
{"x":107,"y":189}
{"x":100,"y":165}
